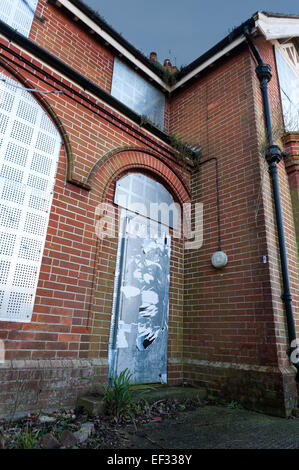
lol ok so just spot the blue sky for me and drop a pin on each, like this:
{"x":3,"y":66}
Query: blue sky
{"x":181,"y":29}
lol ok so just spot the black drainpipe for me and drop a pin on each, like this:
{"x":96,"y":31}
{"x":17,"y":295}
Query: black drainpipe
{"x":273,"y":157}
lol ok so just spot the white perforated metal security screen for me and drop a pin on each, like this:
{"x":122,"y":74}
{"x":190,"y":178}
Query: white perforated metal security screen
{"x":17,"y":14}
{"x":29,"y":152}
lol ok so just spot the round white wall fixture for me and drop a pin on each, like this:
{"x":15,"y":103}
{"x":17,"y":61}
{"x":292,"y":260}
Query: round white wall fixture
{"x":219,"y":259}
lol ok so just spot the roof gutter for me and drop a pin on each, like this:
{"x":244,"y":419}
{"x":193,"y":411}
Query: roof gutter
{"x":234,"y":39}
{"x":114,"y":39}
{"x":268,"y":25}
{"x":193,"y":73}
{"x":124,"y":49}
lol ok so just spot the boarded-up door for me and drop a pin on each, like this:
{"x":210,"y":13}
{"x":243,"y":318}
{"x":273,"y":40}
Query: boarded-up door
{"x":140,"y":320}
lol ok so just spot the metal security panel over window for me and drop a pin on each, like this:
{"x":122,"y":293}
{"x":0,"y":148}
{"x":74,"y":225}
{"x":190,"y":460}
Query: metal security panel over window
{"x":18,"y":14}
{"x":29,"y":151}
{"x":147,"y":197}
{"x":132,"y":90}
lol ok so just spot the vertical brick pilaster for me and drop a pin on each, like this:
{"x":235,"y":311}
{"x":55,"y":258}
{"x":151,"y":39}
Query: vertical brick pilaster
{"x":291,"y":143}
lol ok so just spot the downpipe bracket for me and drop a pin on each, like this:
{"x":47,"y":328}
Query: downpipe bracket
{"x":273,"y":154}
{"x":263,"y":72}
{"x":286,"y":297}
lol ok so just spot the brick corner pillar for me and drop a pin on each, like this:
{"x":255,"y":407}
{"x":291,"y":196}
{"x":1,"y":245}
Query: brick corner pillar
{"x":291,"y":145}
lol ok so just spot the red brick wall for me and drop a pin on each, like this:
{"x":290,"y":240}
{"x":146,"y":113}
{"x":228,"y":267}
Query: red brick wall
{"x":66,"y":40}
{"x":74,"y":45}
{"x":221,"y":322}
{"x":267,"y":52}
{"x":234,"y":319}
{"x":291,"y":143}
{"x":72,"y":312}
{"x":226,"y":328}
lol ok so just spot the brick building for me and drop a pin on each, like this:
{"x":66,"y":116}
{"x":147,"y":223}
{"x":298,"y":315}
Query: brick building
{"x":90,"y":128}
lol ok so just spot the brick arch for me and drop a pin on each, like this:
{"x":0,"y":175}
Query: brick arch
{"x":49,"y":110}
{"x":101,"y":180}
{"x":121,"y":160}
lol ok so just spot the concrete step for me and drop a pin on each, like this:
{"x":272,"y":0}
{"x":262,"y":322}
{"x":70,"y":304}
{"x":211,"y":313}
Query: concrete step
{"x":94,"y":404}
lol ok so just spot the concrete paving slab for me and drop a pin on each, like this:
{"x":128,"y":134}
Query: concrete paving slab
{"x":216,"y":427}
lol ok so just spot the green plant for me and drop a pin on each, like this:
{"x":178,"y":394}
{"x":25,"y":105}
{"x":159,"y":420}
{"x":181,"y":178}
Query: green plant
{"x":140,"y":406}
{"x":233,"y":405}
{"x":118,"y":397}
{"x":184,"y":150}
{"x":28,"y":439}
{"x":61,"y":426}
{"x":144,"y":120}
{"x":218,"y":401}
{"x":169,"y":77}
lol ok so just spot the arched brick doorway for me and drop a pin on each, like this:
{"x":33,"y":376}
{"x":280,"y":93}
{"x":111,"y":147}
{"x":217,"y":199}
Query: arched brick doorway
{"x":139,"y":323}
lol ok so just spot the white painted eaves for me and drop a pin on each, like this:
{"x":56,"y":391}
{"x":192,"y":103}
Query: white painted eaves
{"x":137,"y":63}
{"x":273,"y":27}
{"x":208,"y":62}
{"x":110,"y":40}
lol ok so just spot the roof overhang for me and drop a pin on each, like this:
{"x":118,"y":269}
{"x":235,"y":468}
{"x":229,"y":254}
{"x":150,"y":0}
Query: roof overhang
{"x":270,"y":25}
{"x":109,"y":39}
{"x":81,"y":12}
{"x":273,"y":26}
{"x":208,"y":63}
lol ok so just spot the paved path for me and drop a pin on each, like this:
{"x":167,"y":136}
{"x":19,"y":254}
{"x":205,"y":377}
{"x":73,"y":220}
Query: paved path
{"x":215,"y":427}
